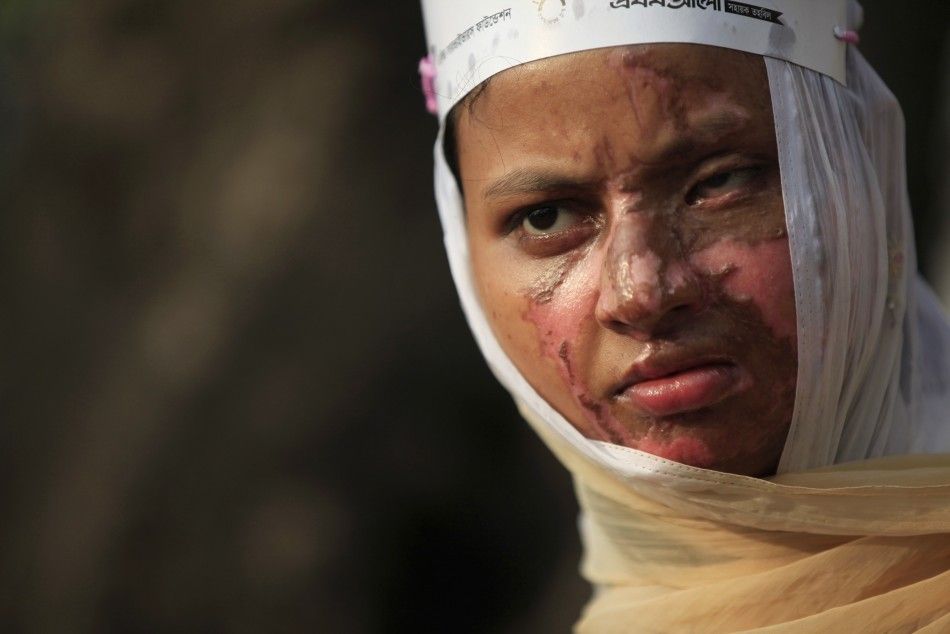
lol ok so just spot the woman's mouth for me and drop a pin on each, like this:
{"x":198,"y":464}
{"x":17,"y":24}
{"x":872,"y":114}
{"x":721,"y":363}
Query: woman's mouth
{"x":686,"y":389}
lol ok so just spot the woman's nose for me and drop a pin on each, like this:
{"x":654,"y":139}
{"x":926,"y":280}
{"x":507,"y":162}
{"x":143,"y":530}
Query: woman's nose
{"x":647,"y":286}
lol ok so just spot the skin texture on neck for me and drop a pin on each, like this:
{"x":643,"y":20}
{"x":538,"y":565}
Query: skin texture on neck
{"x":627,"y":235}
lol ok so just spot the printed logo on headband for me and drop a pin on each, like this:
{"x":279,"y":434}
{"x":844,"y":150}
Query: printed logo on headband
{"x":728,"y":6}
{"x":551,"y":11}
{"x":471,"y":40}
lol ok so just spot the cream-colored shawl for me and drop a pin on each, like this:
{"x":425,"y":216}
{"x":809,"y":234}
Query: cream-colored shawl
{"x":859,"y":547}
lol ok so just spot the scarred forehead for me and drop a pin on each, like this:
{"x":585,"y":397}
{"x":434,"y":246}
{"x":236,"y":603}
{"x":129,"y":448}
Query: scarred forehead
{"x":615,"y":109}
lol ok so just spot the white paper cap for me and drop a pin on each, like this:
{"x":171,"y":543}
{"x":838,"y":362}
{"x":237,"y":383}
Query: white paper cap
{"x":471,"y":40}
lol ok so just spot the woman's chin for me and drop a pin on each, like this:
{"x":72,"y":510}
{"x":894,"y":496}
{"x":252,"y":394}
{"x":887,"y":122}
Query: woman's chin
{"x":687,"y":450}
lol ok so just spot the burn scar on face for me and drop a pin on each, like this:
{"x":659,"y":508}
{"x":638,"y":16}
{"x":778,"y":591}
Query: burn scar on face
{"x":604,"y":155}
{"x":602,"y":426}
{"x":542,"y":290}
{"x":672,"y":110}
{"x":644,"y":270}
{"x":649,"y":87}
{"x":650,"y":270}
{"x":634,"y":270}
{"x":560,"y":325}
{"x":747,"y":282}
{"x":673,"y":157}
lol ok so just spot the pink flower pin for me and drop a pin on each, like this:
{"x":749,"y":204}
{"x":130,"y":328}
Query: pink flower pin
{"x":427,"y":75}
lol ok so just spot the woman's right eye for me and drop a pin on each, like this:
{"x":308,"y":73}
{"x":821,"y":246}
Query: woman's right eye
{"x":549,"y":219}
{"x":553,"y":228}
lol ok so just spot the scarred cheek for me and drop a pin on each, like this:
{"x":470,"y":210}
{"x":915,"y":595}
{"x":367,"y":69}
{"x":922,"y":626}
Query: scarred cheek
{"x":564,"y":321}
{"x":760,"y":273}
{"x":560,"y":316}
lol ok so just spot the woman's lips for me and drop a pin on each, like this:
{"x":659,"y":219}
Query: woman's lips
{"x":686,"y":390}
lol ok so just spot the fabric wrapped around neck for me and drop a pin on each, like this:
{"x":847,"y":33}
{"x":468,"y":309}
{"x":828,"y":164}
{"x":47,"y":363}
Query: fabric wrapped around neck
{"x":852,"y":535}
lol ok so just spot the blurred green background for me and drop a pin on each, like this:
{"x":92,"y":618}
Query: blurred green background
{"x":237,"y":392}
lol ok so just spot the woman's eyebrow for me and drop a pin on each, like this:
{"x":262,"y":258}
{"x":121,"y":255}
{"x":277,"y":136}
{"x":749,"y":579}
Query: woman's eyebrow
{"x":708,"y":130}
{"x":530,"y":181}
{"x":705,"y":132}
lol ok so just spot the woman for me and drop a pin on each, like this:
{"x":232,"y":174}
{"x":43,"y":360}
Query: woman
{"x":680,"y":234}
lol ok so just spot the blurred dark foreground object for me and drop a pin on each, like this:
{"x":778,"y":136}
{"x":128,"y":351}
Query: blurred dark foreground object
{"x":238,"y":393}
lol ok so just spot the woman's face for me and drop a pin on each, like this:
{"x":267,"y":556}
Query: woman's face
{"x":628,"y":240}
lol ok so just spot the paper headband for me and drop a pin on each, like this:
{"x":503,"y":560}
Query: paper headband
{"x":471,"y":40}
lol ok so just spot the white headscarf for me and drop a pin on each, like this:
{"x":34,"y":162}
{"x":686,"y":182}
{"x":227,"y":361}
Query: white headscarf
{"x":873,"y":343}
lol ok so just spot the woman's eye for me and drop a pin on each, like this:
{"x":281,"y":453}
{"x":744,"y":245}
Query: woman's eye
{"x":721,"y":184}
{"x":547,"y":220}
